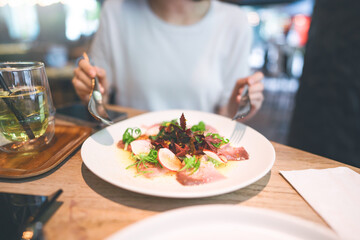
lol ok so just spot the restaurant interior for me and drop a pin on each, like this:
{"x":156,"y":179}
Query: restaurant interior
{"x":28,"y":33}
{"x":78,"y":191}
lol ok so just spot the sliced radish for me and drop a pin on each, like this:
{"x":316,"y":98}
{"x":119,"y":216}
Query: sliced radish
{"x":153,"y":130}
{"x":214,"y":156}
{"x":223,"y":158}
{"x":140,"y":147}
{"x":168,"y":159}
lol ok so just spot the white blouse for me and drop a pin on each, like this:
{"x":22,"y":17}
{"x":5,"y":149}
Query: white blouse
{"x":153,"y":65}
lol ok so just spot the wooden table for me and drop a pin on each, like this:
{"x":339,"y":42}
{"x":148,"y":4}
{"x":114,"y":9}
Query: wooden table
{"x":91,"y":208}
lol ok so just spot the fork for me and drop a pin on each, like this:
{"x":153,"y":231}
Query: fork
{"x":237,"y":134}
{"x":244,"y":105}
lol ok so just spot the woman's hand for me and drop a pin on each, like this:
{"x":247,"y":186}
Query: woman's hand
{"x":82,"y":80}
{"x":256,"y":88}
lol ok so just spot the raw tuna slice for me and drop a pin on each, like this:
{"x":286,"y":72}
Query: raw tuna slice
{"x":151,"y":171}
{"x":233,"y":153}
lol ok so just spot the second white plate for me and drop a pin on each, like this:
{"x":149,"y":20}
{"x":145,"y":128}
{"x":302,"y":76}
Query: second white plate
{"x":213,"y":222}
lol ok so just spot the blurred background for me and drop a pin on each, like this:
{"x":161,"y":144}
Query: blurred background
{"x":59,"y":31}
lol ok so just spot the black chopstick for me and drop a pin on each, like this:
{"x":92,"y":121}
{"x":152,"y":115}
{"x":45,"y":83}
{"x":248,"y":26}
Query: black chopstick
{"x":44,"y":207}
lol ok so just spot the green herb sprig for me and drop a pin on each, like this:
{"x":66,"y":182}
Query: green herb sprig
{"x":143,"y":159}
{"x":217,"y":136}
{"x":130,"y":135}
{"x":213,"y":161}
{"x":198,"y":127}
{"x":191,"y":163}
{"x":166,"y":123}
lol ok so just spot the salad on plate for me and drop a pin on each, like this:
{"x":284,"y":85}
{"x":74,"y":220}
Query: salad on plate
{"x":192,"y":154}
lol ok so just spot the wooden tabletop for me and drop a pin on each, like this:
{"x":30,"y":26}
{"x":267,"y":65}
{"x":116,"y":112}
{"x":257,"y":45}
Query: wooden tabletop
{"x":91,"y":208}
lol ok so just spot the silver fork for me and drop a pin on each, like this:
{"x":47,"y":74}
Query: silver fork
{"x":237,"y":134}
{"x":244,"y":105}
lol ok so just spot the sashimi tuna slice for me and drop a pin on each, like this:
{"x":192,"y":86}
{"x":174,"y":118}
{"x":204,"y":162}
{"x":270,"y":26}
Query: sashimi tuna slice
{"x":233,"y":153}
{"x":205,"y":174}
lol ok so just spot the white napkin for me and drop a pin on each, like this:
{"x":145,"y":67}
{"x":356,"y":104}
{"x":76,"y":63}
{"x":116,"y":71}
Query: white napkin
{"x":334,"y":193}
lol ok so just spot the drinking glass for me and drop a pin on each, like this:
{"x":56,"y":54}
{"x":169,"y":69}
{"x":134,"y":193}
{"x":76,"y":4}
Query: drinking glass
{"x":26,"y":109}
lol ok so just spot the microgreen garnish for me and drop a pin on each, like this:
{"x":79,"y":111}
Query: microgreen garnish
{"x":191,"y":163}
{"x":167,"y":123}
{"x":130,"y":135}
{"x":198,"y":127}
{"x":143,"y":159}
{"x":215,"y":162}
{"x":183,"y":122}
{"x":217,"y":136}
{"x":199,"y":139}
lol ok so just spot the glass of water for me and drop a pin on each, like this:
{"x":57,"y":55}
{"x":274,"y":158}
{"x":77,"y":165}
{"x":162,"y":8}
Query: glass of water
{"x":26,"y":109}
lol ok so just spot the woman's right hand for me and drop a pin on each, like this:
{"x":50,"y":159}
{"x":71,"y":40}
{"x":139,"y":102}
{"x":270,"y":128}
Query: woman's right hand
{"x":82,"y":80}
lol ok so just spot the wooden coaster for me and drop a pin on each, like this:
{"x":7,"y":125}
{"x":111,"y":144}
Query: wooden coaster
{"x":22,"y":165}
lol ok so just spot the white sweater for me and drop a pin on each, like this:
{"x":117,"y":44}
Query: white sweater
{"x":153,"y":65}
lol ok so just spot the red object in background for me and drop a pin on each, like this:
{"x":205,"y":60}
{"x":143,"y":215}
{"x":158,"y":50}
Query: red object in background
{"x":301,"y":26}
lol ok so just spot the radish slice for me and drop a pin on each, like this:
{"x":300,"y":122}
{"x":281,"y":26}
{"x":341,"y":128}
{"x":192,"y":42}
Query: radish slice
{"x":168,"y":159}
{"x":153,"y":130}
{"x":223,"y":158}
{"x":214,"y":156}
{"x":140,"y":147}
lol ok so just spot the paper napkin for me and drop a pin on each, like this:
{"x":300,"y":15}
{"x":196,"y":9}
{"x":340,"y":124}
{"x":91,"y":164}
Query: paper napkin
{"x":334,"y":193}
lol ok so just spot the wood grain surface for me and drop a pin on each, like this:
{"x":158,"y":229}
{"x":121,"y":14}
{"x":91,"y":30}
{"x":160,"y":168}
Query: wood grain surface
{"x":91,"y":208}
{"x":28,"y":164}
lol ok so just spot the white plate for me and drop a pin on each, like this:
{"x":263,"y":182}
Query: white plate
{"x":210,"y":222}
{"x":103,"y":158}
